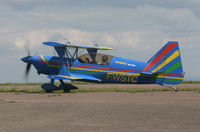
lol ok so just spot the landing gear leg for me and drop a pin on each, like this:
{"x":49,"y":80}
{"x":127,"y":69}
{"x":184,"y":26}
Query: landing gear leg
{"x":62,"y":82}
{"x":64,"y":86}
{"x":50,"y":90}
{"x":174,"y":87}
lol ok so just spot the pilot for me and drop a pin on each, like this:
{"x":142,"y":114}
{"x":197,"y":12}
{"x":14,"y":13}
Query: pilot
{"x":104,"y":60}
{"x":86,"y":60}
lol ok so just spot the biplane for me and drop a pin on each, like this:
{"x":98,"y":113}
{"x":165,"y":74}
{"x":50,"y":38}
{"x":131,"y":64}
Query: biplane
{"x":164,"y":68}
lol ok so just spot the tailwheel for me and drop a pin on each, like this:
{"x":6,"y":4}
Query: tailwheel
{"x":174,"y":87}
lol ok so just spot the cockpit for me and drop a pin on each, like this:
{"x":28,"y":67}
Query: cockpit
{"x":98,"y":59}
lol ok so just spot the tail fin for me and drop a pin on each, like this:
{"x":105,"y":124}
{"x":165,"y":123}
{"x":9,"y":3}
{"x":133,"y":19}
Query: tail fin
{"x":166,"y":64}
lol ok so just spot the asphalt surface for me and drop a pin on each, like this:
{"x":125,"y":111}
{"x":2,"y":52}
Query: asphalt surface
{"x":100,"y":112}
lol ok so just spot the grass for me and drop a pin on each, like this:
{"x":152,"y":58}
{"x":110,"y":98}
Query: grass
{"x":88,"y":90}
{"x":131,"y":90}
{"x":18,"y":84}
{"x":36,"y":89}
{"x":191,"y":82}
{"x":74,"y":83}
{"x":15,"y":90}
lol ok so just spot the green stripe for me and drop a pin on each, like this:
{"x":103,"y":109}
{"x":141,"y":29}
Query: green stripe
{"x":175,"y":66}
{"x":169,"y":80}
{"x":163,"y":79}
{"x":46,"y":58}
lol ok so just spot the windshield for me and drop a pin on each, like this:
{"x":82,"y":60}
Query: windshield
{"x":100,"y":59}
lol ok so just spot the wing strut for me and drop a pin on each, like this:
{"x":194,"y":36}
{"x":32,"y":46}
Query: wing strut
{"x":63,"y":70}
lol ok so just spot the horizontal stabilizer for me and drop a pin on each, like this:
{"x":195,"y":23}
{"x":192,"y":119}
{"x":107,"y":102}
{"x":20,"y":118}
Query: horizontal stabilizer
{"x":146,"y":73}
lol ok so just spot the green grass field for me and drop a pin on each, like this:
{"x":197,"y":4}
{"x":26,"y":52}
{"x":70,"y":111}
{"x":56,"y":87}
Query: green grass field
{"x":77,"y":82}
{"x":35,"y":88}
{"x":87,"y":90}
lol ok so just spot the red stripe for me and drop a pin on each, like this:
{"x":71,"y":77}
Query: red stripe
{"x":179,"y":75}
{"x":124,"y":70}
{"x":55,"y":63}
{"x":110,"y":68}
{"x":41,"y":59}
{"x":104,"y":68}
{"x":161,"y":55}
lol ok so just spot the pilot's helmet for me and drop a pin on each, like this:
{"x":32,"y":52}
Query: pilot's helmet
{"x":104,"y":58}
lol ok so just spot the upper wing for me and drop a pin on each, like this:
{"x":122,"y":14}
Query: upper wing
{"x":75,"y":46}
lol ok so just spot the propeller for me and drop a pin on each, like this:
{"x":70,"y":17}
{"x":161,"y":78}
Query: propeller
{"x":28,"y":66}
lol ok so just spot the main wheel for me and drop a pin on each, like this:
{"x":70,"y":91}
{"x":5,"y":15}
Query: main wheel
{"x":49,"y":87}
{"x":176,"y":90}
{"x":65,"y":88}
{"x":48,"y":91}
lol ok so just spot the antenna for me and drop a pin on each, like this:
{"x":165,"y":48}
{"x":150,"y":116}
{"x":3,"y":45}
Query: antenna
{"x":95,"y":44}
{"x":66,"y":40}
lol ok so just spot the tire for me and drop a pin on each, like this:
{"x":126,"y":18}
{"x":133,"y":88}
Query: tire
{"x":48,"y":91}
{"x":66,"y":90}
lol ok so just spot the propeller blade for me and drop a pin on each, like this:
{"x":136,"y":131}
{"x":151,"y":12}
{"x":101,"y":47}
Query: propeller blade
{"x":28,"y":67}
{"x":29,"y":53}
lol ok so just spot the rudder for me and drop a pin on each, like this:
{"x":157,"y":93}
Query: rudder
{"x":166,"y":64}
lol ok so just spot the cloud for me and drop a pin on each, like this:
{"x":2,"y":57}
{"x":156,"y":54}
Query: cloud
{"x":34,"y":38}
{"x":137,"y":29}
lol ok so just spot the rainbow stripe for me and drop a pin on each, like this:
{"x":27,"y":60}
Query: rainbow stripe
{"x":104,"y":70}
{"x":161,"y":55}
{"x":167,"y":61}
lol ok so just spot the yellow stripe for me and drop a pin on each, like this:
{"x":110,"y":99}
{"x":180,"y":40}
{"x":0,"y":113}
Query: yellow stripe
{"x":168,"y":60}
{"x":116,"y":73}
{"x":170,"y":77}
{"x":69,"y":77}
{"x":124,"y":73}
{"x":44,"y":59}
{"x":53,"y":66}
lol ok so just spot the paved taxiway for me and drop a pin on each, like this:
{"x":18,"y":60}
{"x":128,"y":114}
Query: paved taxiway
{"x":100,"y":112}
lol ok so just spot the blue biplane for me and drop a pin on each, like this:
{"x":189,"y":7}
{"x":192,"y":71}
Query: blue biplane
{"x":164,"y":68}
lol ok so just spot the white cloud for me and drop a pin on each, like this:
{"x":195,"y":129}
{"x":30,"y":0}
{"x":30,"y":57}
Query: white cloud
{"x":34,"y":38}
{"x":136,"y":29}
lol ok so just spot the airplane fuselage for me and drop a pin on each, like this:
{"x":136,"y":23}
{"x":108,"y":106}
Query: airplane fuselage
{"x":119,"y":70}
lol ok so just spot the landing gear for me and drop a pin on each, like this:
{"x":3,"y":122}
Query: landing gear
{"x":173,"y":87}
{"x":50,"y":87}
{"x":66,"y":87}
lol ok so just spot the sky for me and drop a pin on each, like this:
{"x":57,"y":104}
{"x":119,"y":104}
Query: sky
{"x":136,"y":29}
